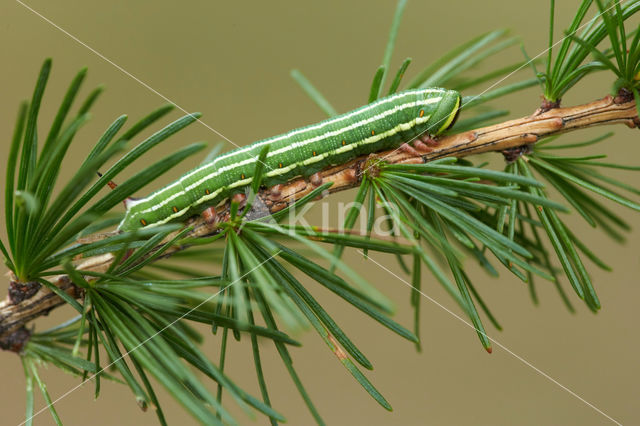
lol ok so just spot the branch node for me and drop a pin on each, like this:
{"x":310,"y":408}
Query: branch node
{"x":512,"y":154}
{"x":16,"y":340}
{"x":19,"y":291}
{"x":547,"y":105}
{"x":372,"y":165}
{"x":623,"y":96}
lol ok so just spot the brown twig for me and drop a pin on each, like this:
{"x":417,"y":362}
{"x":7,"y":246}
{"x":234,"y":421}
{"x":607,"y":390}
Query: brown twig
{"x":16,"y":312}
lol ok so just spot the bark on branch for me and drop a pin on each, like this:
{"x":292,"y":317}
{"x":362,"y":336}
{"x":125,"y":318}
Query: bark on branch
{"x":19,"y":309}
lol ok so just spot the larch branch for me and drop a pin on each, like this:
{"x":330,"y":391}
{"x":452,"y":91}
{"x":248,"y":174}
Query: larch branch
{"x":16,"y":312}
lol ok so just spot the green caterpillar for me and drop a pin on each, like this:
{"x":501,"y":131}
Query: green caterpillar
{"x":383,"y":124}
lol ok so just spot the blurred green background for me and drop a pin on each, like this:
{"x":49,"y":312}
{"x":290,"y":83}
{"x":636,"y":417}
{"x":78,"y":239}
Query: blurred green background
{"x":231,"y":61}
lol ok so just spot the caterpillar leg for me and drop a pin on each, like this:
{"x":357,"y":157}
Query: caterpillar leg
{"x":239,"y":198}
{"x":275,"y":192}
{"x":405,"y":147}
{"x":209,"y":215}
{"x":316,"y":179}
{"x":428,"y":140}
{"x":423,"y":144}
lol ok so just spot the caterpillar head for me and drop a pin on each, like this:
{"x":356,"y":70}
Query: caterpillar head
{"x":445,"y":113}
